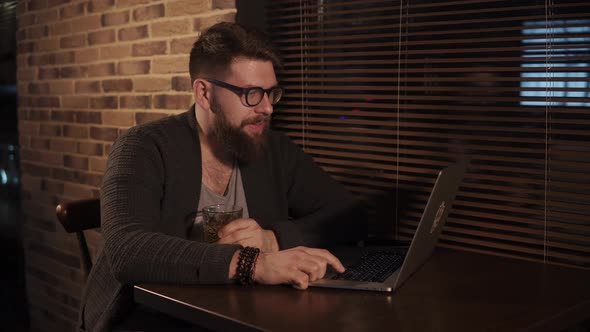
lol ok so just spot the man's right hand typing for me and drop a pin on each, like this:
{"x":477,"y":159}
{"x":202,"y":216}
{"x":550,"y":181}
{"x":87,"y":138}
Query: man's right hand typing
{"x":297,"y":266}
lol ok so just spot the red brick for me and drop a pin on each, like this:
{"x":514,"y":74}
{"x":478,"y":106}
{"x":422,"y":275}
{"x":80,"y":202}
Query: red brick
{"x":104,"y":133}
{"x":76,"y":162}
{"x":117,"y":85}
{"x":26,"y":74}
{"x":55,"y":3}
{"x":60,"y":28}
{"x":143,"y":117}
{"x":62,"y":116}
{"x":135,"y":101}
{"x":118,"y":118}
{"x":75,"y":41}
{"x":88,"y":117}
{"x":72,"y":72}
{"x":21,"y":35}
{"x":30,"y":155}
{"x":150,"y":48}
{"x":91,"y":149}
{"x":74,"y":102}
{"x":86,"y":55}
{"x":115,"y":52}
{"x":25,"y":20}
{"x":100,"y":5}
{"x":61,"y":87}
{"x":182,"y":83}
{"x":38,"y":143}
{"x":148,"y":13}
{"x":50,"y":129}
{"x":46,"y":102}
{"x":39,"y":88}
{"x":39,"y":115}
{"x":21,"y":8}
{"x":102,"y":37}
{"x":167,"y":65}
{"x":47,"y":16}
{"x":76,"y":190}
{"x":87,"y":23}
{"x":172,"y":101}
{"x":134,"y":67}
{"x":37,"y":32}
{"x":223,"y":4}
{"x":171,"y":28}
{"x":91,"y":179}
{"x":25,"y":47}
{"x":44,"y":59}
{"x":117,"y":18}
{"x":75,"y":131}
{"x":24,"y":101}
{"x":98,"y":164}
{"x":64,"y":57}
{"x":88,"y":87}
{"x":133,"y":33}
{"x":202,"y":23}
{"x":182,"y":45}
{"x":48,"y":73}
{"x":109,"y":102}
{"x":130,"y":3}
{"x":35,"y":170}
{"x":103,"y":69}
{"x":187,"y":7}
{"x":63,"y":145}
{"x":150,"y":84}
{"x":51,"y":158}
{"x":72,"y":10}
{"x":37,"y":5}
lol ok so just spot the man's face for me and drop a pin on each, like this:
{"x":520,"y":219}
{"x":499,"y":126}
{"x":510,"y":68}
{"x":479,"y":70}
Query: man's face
{"x":243,"y":130}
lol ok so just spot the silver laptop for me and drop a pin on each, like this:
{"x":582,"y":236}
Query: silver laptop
{"x":385,"y":268}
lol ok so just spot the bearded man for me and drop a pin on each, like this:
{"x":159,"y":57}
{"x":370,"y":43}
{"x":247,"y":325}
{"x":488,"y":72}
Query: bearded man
{"x":220,"y":151}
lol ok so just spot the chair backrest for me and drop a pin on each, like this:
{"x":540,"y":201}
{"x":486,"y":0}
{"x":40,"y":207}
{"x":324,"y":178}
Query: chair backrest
{"x":76,"y":217}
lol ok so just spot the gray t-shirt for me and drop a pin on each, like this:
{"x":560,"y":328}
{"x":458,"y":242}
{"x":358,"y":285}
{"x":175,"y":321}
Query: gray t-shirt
{"x":234,"y":195}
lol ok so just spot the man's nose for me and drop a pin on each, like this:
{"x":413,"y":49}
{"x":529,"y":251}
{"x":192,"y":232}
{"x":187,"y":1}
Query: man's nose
{"x":264,"y":107}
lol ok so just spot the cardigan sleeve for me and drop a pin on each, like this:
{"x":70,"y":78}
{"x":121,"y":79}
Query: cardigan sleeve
{"x":130,"y":210}
{"x":322,"y":212}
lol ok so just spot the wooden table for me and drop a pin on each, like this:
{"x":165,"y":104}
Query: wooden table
{"x":453,"y":291}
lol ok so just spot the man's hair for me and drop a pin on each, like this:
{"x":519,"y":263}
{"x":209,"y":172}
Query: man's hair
{"x":219,"y":45}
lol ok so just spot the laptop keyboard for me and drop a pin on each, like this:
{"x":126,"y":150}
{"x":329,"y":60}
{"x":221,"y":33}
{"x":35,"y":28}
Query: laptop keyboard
{"x":374,"y":266}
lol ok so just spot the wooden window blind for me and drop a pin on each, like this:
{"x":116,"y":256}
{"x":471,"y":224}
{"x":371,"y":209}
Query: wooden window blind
{"x":383,"y":94}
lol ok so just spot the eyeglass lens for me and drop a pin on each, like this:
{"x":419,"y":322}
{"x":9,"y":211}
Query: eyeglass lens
{"x":255,"y":95}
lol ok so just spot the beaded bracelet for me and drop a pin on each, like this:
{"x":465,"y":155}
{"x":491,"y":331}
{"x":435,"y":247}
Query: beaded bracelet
{"x":246,"y":265}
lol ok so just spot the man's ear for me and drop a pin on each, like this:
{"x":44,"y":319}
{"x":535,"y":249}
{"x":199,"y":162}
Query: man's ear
{"x":202,"y":92}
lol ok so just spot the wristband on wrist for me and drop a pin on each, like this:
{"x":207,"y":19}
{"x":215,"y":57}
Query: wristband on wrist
{"x":247,"y":265}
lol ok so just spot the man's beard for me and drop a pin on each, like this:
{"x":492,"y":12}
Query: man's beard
{"x":235,"y":140}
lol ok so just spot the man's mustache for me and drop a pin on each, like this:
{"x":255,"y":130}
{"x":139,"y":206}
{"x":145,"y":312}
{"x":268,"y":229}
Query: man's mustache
{"x":254,"y":120}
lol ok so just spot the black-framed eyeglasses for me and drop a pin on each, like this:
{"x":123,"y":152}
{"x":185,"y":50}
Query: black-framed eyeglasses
{"x":251,"y":96}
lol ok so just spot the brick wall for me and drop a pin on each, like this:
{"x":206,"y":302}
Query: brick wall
{"x":87,"y":70}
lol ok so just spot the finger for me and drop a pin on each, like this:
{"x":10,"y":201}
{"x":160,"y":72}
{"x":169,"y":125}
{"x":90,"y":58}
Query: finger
{"x":237,"y":224}
{"x":325,"y":254}
{"x":237,"y":237}
{"x":299,"y":280}
{"x":315,"y":267}
{"x":234,"y":225}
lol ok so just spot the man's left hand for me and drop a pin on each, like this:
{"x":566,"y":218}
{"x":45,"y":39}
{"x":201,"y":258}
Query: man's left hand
{"x":248,"y":233}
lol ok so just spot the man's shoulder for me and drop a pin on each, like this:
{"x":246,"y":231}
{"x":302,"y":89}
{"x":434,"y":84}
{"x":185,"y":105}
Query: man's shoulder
{"x":157,"y":129}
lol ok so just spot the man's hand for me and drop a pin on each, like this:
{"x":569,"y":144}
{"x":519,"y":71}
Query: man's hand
{"x":248,"y":233}
{"x":298,"y":266}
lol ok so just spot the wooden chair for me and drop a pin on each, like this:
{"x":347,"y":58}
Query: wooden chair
{"x":76,"y":217}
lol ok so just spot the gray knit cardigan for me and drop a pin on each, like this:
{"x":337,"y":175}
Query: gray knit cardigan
{"x":151,"y":186}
